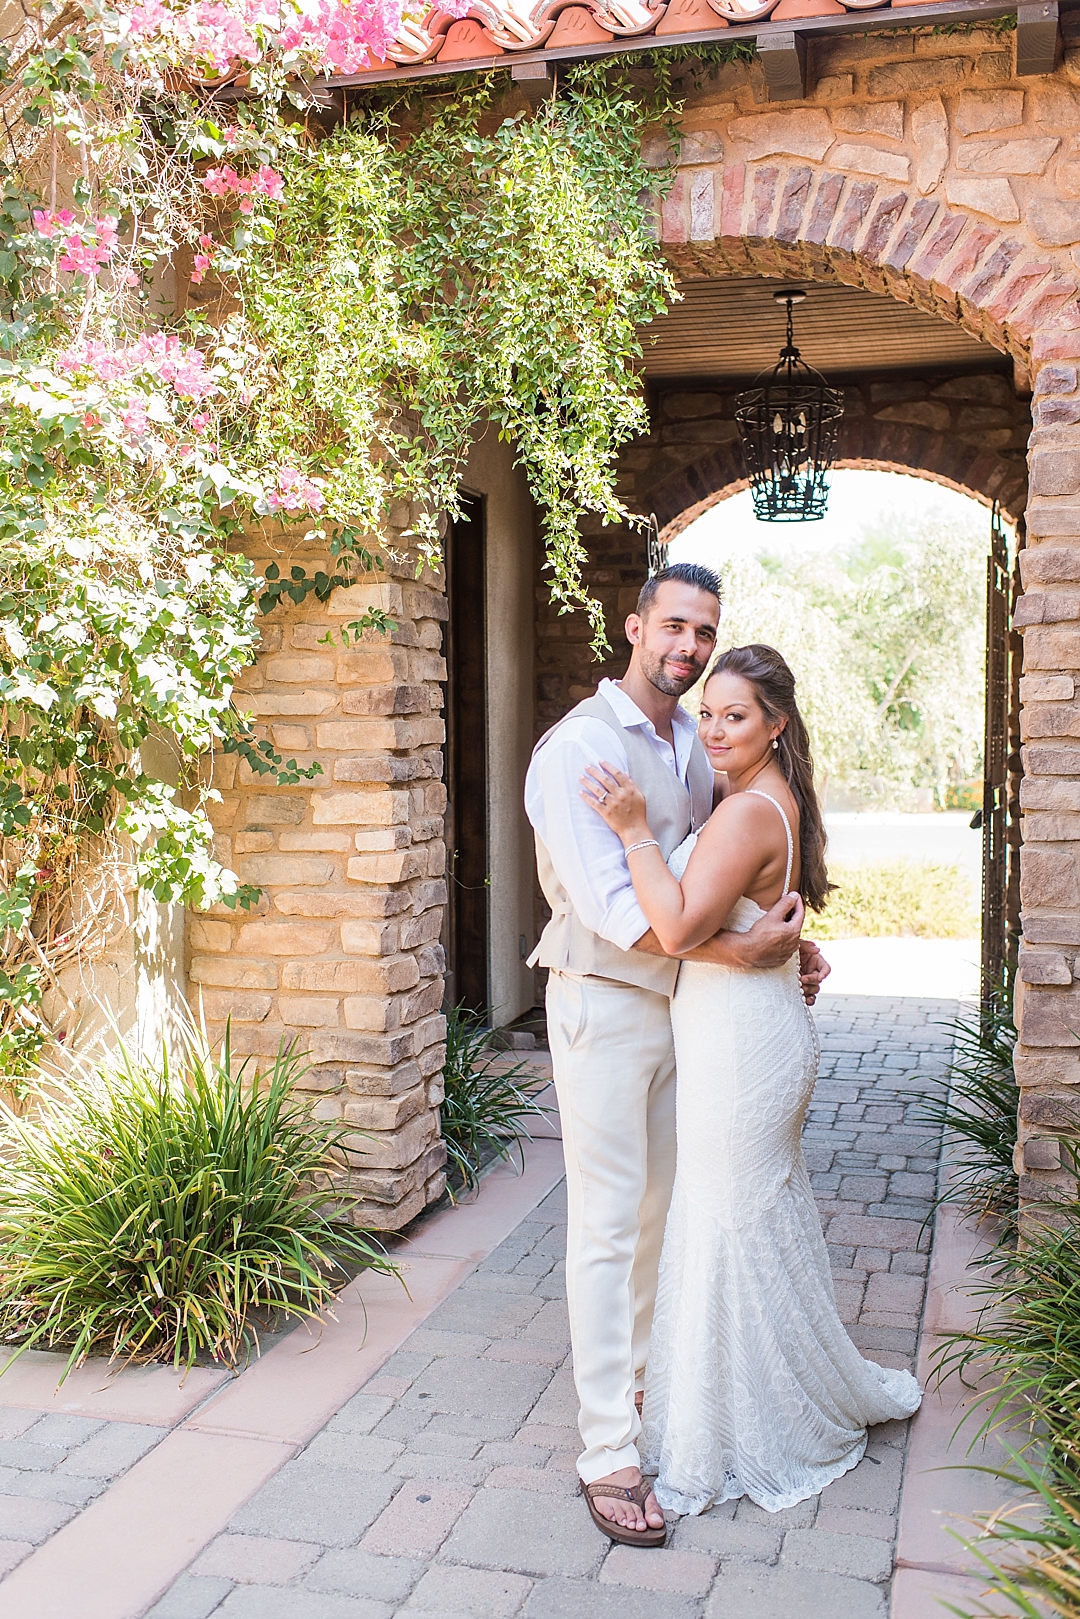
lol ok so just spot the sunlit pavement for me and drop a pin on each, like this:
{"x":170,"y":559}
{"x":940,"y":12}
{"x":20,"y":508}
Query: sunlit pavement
{"x":923,"y":968}
{"x":420,"y":1462}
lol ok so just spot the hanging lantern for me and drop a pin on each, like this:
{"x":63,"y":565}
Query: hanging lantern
{"x":788,"y":422}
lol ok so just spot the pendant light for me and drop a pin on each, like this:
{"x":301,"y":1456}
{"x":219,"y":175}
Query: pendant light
{"x":788,"y":422}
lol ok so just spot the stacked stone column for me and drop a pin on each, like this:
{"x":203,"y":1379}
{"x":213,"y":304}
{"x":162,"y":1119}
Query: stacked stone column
{"x":342,"y":956}
{"x":1048,"y":614}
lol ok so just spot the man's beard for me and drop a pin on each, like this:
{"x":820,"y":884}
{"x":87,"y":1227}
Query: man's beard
{"x":655,"y":670}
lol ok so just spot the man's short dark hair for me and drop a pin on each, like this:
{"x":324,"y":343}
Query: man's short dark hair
{"x":683,"y":573}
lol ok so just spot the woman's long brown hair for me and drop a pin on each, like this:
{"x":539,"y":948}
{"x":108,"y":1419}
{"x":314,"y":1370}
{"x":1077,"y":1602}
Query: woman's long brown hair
{"x":774,"y":687}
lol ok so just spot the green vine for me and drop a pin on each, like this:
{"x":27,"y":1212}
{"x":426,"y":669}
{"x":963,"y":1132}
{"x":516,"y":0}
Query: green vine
{"x":437,"y":266}
{"x":988,"y":25}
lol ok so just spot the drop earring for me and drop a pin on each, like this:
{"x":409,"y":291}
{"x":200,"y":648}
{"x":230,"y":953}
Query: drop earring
{"x":776,"y":741}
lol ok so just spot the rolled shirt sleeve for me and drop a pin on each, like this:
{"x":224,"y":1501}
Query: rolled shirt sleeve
{"x":587,"y":855}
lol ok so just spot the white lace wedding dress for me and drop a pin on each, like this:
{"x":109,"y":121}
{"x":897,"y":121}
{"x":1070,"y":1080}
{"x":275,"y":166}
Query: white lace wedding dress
{"x":753,"y":1387}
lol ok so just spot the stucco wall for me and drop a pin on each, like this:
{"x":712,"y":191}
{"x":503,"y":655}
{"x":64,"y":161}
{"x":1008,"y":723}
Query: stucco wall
{"x":510,"y":524}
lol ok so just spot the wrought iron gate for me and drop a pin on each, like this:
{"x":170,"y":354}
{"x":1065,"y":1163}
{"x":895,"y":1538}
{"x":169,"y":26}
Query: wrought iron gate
{"x":994,"y":813}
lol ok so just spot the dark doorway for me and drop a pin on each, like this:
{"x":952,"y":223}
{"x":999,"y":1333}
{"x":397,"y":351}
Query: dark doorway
{"x":465,"y":935}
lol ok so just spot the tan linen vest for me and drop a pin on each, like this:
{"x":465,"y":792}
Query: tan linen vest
{"x":566,"y":944}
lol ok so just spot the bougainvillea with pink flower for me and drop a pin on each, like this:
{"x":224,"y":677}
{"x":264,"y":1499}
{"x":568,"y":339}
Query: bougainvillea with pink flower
{"x":86,"y":248}
{"x":329,"y":36}
{"x":211,"y":314}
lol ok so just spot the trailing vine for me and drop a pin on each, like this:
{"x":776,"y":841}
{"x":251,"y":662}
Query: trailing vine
{"x":367,"y":300}
{"x":501,"y":271}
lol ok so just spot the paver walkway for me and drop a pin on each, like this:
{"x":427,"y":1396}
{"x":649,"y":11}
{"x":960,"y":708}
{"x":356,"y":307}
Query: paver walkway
{"x":447,"y":1485}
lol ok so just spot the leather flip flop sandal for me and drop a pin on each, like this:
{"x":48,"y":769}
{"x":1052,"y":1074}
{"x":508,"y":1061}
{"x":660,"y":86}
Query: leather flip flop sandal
{"x":615,"y":1531}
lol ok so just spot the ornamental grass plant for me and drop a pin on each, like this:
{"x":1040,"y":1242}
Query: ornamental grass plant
{"x":1025,"y":1345}
{"x":978,"y":1116}
{"x":485,"y":1105}
{"x":1039,"y":1569}
{"x":1025,"y":1353}
{"x":154,"y":1210}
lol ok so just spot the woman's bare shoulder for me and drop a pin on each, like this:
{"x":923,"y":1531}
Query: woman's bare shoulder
{"x":740,"y":809}
{"x":744,"y":814}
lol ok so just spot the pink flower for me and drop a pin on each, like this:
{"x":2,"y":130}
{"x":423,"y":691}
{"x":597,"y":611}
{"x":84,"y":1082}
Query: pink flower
{"x":135,"y":419}
{"x":344,"y":37}
{"x":131,"y":278}
{"x":200,"y":421}
{"x":80,"y":259}
{"x":269,"y":183}
{"x":147,"y":17}
{"x":212,"y":35}
{"x":225,"y":181}
{"x":47,"y":223}
{"x":160,"y":353}
{"x":91,"y":419}
{"x":219,"y":182}
{"x":295,"y":492}
{"x":190,"y":380}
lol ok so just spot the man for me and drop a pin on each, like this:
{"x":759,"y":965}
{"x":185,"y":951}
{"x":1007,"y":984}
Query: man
{"x":608,"y":1006}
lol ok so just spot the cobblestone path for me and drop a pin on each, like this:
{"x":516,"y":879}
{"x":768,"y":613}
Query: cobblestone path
{"x":51,"y":1466}
{"x":446,"y":1487}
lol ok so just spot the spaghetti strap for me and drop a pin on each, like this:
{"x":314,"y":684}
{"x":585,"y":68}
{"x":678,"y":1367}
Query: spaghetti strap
{"x":787,"y":828}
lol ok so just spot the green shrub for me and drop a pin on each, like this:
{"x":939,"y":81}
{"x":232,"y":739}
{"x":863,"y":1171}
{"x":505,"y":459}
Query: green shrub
{"x":146,"y":1210}
{"x":1024,"y":1356}
{"x":898,"y":897}
{"x":1025,"y":1344}
{"x":965,"y":795}
{"x":485,"y":1106}
{"x":978,"y":1113}
{"x":1041,"y":1577}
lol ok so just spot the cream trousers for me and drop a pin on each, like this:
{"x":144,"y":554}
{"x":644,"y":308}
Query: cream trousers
{"x":614,"y":1070}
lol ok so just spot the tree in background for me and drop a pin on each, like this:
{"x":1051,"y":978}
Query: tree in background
{"x":886,"y":641}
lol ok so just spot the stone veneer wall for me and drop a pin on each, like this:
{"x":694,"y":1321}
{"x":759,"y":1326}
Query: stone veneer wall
{"x":343,"y":955}
{"x":1048,"y":615}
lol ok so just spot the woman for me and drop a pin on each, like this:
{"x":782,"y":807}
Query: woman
{"x":753,"y":1386}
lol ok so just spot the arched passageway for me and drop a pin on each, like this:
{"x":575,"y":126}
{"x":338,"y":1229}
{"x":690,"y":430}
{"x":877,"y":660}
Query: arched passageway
{"x":918,"y":174}
{"x":968,"y":426}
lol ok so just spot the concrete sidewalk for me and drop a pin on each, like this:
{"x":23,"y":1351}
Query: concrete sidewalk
{"x":429,"y":1468}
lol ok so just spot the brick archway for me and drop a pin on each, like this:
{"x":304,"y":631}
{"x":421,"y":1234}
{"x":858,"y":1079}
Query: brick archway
{"x":803,"y":221}
{"x":917,"y":168}
{"x":806,"y":222}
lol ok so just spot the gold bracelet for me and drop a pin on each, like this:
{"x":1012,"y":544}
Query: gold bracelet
{"x":646,"y":843}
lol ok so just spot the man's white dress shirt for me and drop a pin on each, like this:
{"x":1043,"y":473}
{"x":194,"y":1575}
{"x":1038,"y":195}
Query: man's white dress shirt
{"x":587,"y":855}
